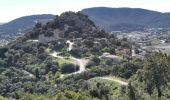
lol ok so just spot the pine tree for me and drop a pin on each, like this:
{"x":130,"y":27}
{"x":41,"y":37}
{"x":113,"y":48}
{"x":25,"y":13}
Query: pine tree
{"x":156,"y":72}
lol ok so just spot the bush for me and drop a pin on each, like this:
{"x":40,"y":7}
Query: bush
{"x":127,"y":74}
{"x":127,"y":69}
{"x":69,"y":68}
{"x":95,"y":61}
{"x":2,"y":63}
{"x":76,"y":52}
{"x":90,"y":64}
{"x":48,"y":34}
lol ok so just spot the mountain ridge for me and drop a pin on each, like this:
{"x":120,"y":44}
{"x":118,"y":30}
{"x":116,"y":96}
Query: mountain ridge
{"x":2,"y":23}
{"x":24,"y":23}
{"x":108,"y":18}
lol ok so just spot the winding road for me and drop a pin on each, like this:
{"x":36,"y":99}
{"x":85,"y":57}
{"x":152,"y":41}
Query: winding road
{"x":81,"y":62}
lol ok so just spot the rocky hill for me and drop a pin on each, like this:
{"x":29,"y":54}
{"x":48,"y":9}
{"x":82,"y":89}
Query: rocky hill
{"x":67,"y":25}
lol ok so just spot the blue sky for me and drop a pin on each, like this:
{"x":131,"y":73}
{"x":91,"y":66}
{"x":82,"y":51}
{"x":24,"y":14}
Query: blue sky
{"x":11,"y":9}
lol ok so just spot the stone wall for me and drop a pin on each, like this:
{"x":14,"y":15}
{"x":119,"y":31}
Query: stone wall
{"x":57,"y":34}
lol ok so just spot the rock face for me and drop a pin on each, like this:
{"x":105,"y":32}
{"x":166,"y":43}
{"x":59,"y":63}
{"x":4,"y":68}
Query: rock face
{"x":57,"y":35}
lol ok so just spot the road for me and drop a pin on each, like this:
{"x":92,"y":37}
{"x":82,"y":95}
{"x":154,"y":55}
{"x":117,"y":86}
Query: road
{"x":32,"y":40}
{"x":133,"y":53}
{"x":81,"y":62}
{"x":115,"y":80}
{"x":28,"y":73}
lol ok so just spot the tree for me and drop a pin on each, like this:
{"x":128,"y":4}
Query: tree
{"x":2,"y":52}
{"x":112,"y":51}
{"x":69,"y":68}
{"x":96,"y":60}
{"x":38,"y":25}
{"x":131,"y":92}
{"x":41,"y":50}
{"x":49,"y":33}
{"x":156,"y":72}
{"x":76,"y":52}
{"x":89,"y":42}
{"x":101,"y":91}
{"x":60,"y":96}
{"x":37,"y":73}
{"x":51,"y":66}
{"x":2,"y":63}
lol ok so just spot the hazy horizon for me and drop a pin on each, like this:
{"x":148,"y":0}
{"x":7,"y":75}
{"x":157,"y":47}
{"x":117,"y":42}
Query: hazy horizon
{"x":10,"y":10}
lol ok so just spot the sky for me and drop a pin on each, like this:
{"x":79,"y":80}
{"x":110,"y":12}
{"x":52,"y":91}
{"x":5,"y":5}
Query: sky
{"x":11,"y":9}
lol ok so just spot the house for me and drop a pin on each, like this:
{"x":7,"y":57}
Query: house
{"x":108,"y":56}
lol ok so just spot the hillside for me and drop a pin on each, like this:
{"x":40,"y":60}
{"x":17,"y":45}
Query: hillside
{"x":69,"y":58}
{"x":52,"y":57}
{"x":25,"y":23}
{"x":127,"y":18}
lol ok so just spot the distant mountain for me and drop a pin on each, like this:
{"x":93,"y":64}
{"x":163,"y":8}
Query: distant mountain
{"x":127,"y":18}
{"x":24,"y":23}
{"x":2,"y":23}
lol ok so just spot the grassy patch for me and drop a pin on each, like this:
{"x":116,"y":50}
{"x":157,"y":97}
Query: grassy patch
{"x":64,"y":61}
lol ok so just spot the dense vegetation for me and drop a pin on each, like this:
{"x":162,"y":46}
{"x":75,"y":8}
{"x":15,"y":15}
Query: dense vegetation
{"x":29,"y":72}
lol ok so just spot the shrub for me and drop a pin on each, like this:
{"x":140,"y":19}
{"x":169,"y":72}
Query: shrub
{"x":69,"y":68}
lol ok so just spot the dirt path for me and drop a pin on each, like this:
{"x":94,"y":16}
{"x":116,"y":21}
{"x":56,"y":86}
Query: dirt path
{"x":115,"y":80}
{"x":32,"y":40}
{"x":56,"y":55}
{"x":28,"y":73}
{"x":133,"y":53}
{"x":70,"y":45}
{"x":81,"y":62}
